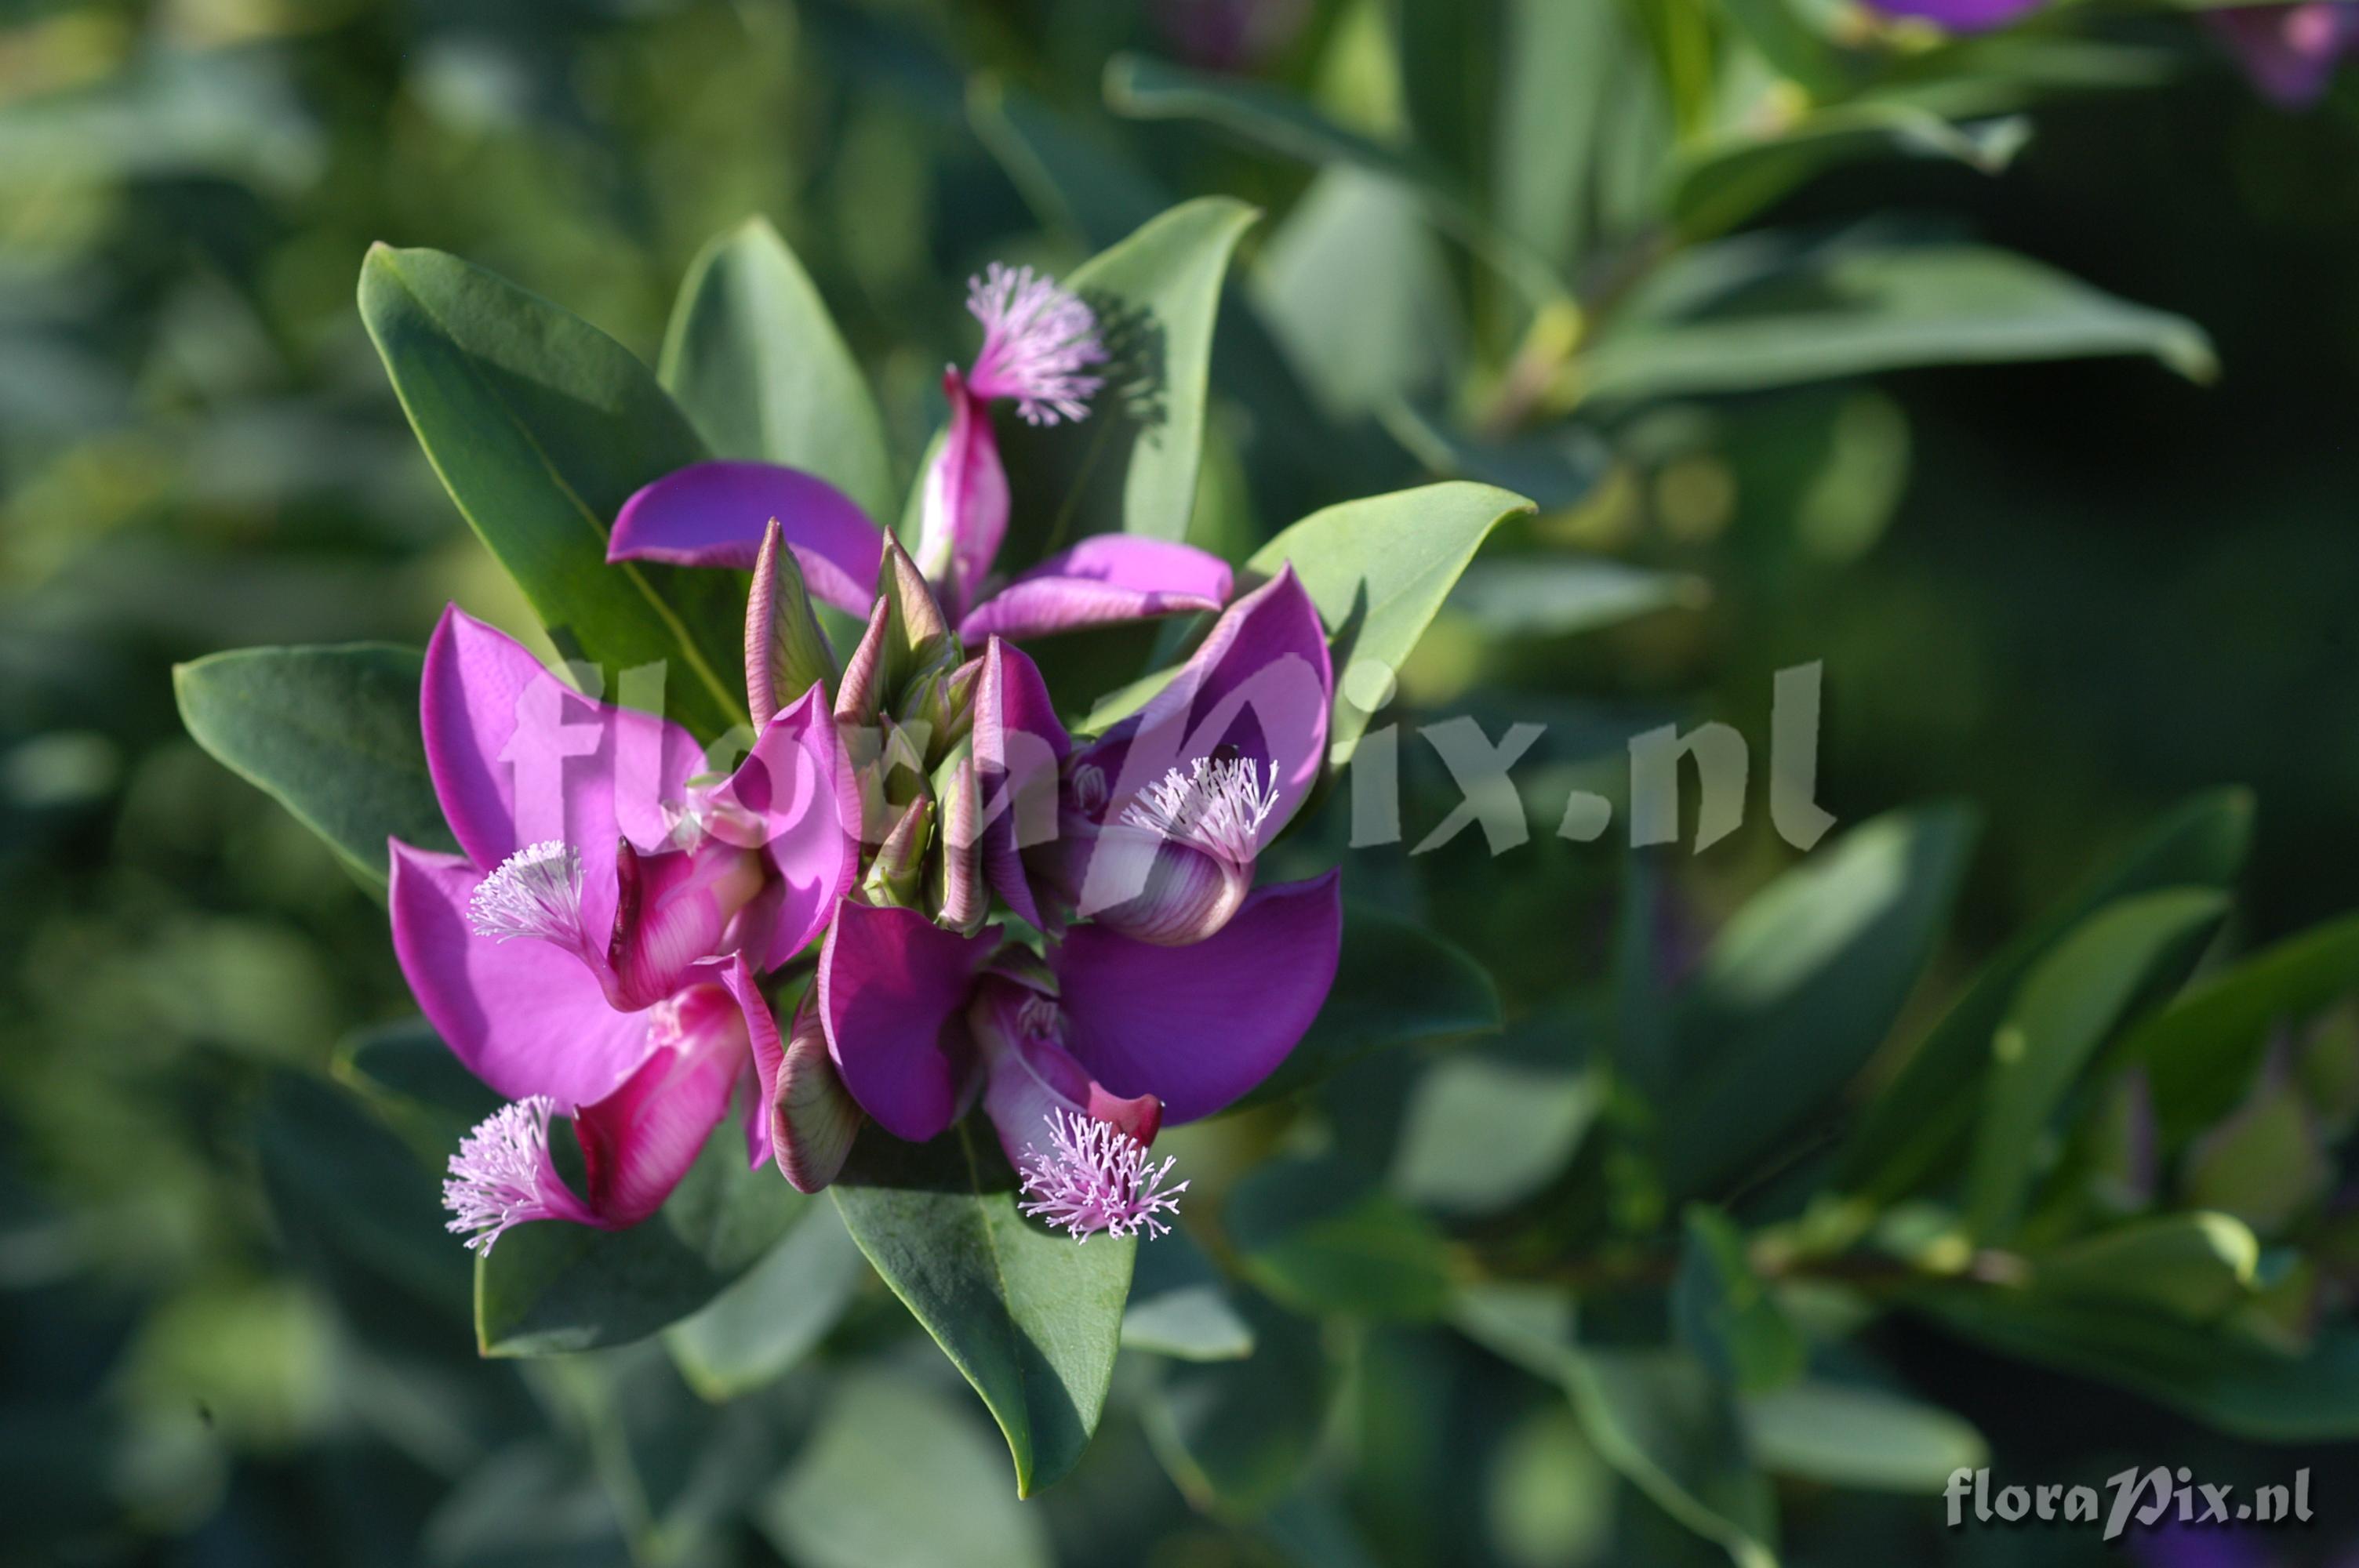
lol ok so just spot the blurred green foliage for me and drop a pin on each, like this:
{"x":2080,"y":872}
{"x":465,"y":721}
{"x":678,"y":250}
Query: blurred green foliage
{"x":1591,"y":253}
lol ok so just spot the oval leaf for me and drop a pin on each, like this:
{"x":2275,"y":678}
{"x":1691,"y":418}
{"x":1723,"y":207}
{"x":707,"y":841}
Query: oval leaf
{"x":757,"y":362}
{"x":329,"y":733}
{"x":541,"y":426}
{"x":1028,"y":1316}
{"x":1321,"y":1237}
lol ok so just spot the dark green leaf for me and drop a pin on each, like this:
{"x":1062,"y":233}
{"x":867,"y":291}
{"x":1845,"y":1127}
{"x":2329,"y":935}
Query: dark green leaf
{"x":756,"y":1330}
{"x":1918,"y":1122}
{"x":1181,"y":1307}
{"x":329,"y":733}
{"x":756,"y":361}
{"x":1726,"y":1313}
{"x":1716,"y":186}
{"x":1028,"y":1316}
{"x":895,"y":1476}
{"x":1322,"y":1237}
{"x":2070,"y":1003}
{"x":550,"y":1288}
{"x":1847,"y":1434}
{"x":1853,"y":310}
{"x":1236,"y":1434}
{"x":2200,"y":1053}
{"x":1804,"y":983}
{"x":1489,"y":1125}
{"x":2195,"y":1266}
{"x":542,"y":426}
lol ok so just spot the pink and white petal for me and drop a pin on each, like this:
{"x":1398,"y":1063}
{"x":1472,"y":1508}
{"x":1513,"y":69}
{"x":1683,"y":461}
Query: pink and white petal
{"x":519,"y":757}
{"x":638,"y":1141}
{"x":525,"y":1017}
{"x":1220,"y":1014}
{"x":795,"y":798}
{"x":893,"y":992}
{"x":714,"y":515}
{"x":1104,"y":579}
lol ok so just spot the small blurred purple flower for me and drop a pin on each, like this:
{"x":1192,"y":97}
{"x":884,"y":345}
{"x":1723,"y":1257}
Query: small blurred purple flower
{"x":2288,"y":52}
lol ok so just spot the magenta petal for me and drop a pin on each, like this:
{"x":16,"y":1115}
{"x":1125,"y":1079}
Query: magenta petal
{"x":1031,"y":1075}
{"x":1105,"y":577}
{"x":519,"y":757}
{"x":670,"y":910}
{"x":638,"y":1141}
{"x":1018,"y":744}
{"x":794,"y":797}
{"x":1260,"y":684}
{"x":1960,"y":15}
{"x":1199,"y":1025}
{"x":525,"y":1017}
{"x":893,"y":990}
{"x":965,"y":509}
{"x":712,"y":515}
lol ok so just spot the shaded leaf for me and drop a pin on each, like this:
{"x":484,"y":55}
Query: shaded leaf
{"x":1847,"y":1434}
{"x":1234,"y":1435}
{"x":1181,"y":1307}
{"x":1725,"y":1315}
{"x":2195,"y":1266}
{"x":757,"y":1330}
{"x":1321,"y":1235}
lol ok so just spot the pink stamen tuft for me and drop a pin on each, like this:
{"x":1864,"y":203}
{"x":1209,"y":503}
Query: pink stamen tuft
{"x":496,"y":1175}
{"x":537,"y":892}
{"x":1094,"y":1176}
{"x":1037,"y":342}
{"x":1217,"y":805}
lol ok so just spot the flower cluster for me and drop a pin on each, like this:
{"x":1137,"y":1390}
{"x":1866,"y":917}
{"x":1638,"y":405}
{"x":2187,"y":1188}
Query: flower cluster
{"x":1066,"y":931}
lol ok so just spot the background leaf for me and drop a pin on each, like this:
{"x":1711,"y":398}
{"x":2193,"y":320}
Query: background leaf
{"x":1322,"y":1237}
{"x":330,"y":734}
{"x":1236,"y":1434}
{"x":1847,"y":1434}
{"x":756,"y":1330}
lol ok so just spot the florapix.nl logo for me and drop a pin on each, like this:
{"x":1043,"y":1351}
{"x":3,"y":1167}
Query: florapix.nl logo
{"x":2146,"y":1497}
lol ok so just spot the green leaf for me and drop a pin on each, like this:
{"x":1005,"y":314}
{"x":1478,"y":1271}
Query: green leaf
{"x":1559,"y":595}
{"x":1846,"y":1435}
{"x":1853,"y":310}
{"x":2070,"y":1003}
{"x":2195,"y":1266}
{"x":1656,"y":1416}
{"x":1271,"y":117}
{"x":1236,"y":1435}
{"x":1716,"y":186}
{"x":1919,"y":1122}
{"x":1378,"y":569}
{"x":1028,"y":1315}
{"x":754,"y":1331}
{"x":1321,"y":1235}
{"x":1556,"y":72}
{"x":542,"y":426}
{"x":1358,"y":290}
{"x":550,"y":1288}
{"x":2233,"y":1384}
{"x":1074,"y":184}
{"x":1395,"y":983}
{"x":1489,"y":1125}
{"x":1131,"y":466}
{"x":330,"y":734}
{"x":1801,"y":986}
{"x":2201,"y":1052}
{"x":416,"y":1085}
{"x":1181,"y":1307}
{"x":1725,"y":1315}
{"x":756,"y":361}
{"x":895,"y":1476}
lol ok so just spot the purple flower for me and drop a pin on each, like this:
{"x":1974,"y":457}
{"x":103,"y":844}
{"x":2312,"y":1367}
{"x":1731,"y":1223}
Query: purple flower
{"x":1163,"y":818}
{"x":1960,"y":15}
{"x":1099,"y":1029}
{"x":1038,"y":343}
{"x":2289,"y":51}
{"x":588,"y":953}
